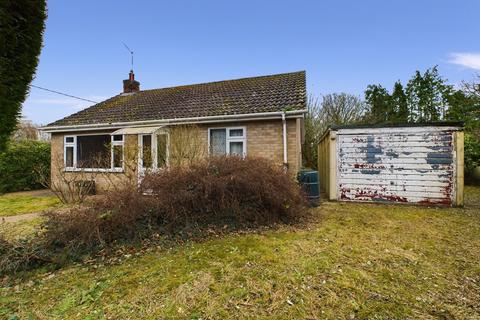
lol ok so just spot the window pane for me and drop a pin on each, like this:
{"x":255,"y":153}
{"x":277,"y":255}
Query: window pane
{"x":93,"y":151}
{"x":236,"y":133}
{"x":147,"y":151}
{"x":117,"y":156}
{"x":236,"y":148}
{"x":218,"y":142}
{"x":69,"y":157}
{"x":69,"y":139}
{"x":161,"y":150}
{"x":118,"y":137}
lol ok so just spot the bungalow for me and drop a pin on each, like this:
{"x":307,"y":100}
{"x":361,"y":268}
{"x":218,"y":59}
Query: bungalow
{"x":258,"y":116}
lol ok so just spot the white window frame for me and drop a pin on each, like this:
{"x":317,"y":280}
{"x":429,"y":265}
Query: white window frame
{"x":153,"y":151}
{"x":229,"y":139}
{"x":140,"y":151}
{"x":112,"y":146}
{"x":74,"y":145}
{"x":74,"y":156}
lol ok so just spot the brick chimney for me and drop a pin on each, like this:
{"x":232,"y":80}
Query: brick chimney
{"x":130,"y":85}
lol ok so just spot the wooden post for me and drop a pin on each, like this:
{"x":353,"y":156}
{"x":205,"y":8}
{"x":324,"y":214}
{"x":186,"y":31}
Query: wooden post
{"x":459,"y":136}
{"x":332,"y":154}
{"x":320,"y":164}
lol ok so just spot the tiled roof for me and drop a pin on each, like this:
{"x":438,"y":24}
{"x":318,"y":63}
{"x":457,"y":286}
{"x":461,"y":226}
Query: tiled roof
{"x":241,"y":96}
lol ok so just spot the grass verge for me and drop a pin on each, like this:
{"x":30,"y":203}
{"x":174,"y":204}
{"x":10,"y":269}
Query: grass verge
{"x":25,"y":202}
{"x":357,"y":261}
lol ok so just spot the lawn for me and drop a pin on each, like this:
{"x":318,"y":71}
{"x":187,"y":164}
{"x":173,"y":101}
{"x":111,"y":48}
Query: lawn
{"x":16,"y":203}
{"x":354,"y":261}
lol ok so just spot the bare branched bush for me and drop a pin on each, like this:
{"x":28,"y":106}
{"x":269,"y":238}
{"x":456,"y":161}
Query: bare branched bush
{"x":186,"y":145}
{"x":224,"y":189}
{"x":68,"y":186}
{"x":215,"y":191}
{"x":212,"y":193}
{"x":119,"y":215}
{"x":16,"y":255}
{"x":128,"y":178}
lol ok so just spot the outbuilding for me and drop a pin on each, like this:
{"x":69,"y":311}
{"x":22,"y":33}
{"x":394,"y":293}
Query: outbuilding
{"x":408,"y":163}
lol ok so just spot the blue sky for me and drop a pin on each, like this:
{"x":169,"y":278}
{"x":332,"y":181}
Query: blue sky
{"x":343,"y":45}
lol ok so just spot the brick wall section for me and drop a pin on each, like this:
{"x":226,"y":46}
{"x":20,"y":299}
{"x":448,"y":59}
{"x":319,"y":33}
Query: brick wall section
{"x":264,"y":139}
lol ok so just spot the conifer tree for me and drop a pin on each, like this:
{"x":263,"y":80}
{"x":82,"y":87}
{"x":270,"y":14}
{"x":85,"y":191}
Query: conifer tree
{"x":22,"y":23}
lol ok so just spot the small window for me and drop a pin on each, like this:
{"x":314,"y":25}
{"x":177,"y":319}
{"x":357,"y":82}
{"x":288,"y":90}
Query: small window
{"x":69,"y":156}
{"x":236,"y":148}
{"x":228,"y":141}
{"x":161,"y":150}
{"x":147,"y":161}
{"x":117,"y":151}
{"x":117,"y":156}
{"x":69,"y":152}
{"x":218,"y":144}
{"x":235,"y":133}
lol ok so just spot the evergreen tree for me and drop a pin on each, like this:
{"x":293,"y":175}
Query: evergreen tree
{"x":22,"y":25}
{"x":399,"y":102}
{"x":464,"y":107}
{"x":379,"y":101}
{"x":427,"y":96}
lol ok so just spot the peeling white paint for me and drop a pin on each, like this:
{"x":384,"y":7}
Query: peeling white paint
{"x":413,"y":165}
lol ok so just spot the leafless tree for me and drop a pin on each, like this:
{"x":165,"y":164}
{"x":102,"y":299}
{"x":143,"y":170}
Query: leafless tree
{"x":332,"y":109}
{"x":472,"y":88}
{"x":342,"y":108}
{"x":26,"y":130}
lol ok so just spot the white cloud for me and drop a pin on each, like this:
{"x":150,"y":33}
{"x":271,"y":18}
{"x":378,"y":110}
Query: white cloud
{"x":466,"y":59}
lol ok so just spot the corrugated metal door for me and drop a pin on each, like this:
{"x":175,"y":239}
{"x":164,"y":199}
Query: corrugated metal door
{"x":396,"y":166}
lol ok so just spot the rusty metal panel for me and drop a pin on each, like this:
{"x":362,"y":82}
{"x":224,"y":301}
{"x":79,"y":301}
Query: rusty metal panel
{"x":406,"y":165}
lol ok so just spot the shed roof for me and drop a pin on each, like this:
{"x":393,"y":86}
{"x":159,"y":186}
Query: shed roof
{"x":458,"y":124}
{"x":262,"y":94}
{"x":398,"y":125}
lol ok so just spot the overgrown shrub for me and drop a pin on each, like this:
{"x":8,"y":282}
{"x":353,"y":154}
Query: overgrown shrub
{"x":216,"y":192}
{"x":472,"y":158}
{"x":224,"y":189}
{"x":472,"y":152}
{"x":21,"y":254}
{"x":20,"y":163}
{"x":120,"y":215}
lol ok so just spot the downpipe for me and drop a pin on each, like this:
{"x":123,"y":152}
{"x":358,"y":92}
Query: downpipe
{"x":285,"y":155}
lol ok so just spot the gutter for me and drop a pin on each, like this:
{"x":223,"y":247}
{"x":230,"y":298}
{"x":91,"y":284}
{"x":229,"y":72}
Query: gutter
{"x":193,"y":120}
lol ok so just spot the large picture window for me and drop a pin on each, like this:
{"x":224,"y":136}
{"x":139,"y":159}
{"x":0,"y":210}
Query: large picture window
{"x":102,"y":151}
{"x":228,"y":141}
{"x":93,"y":151}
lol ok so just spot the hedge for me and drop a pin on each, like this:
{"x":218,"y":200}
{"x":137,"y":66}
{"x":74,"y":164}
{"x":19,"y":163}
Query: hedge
{"x":20,"y":164}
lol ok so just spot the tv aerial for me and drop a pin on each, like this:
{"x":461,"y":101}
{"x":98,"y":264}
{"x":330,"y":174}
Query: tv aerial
{"x":131,"y":53}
